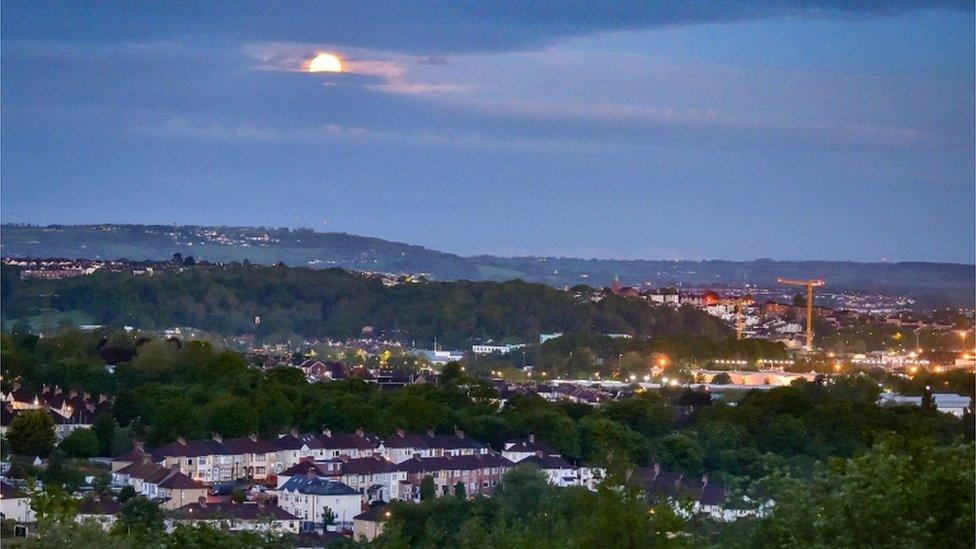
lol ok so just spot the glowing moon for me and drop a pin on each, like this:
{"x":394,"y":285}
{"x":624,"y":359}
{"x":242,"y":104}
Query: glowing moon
{"x":325,"y":62}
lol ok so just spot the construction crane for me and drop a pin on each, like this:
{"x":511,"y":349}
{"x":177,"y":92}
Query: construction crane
{"x":810,"y":285}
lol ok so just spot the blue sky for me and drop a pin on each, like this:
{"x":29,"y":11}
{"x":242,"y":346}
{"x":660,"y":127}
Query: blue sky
{"x":793,"y":130}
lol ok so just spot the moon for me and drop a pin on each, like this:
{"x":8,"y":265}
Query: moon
{"x":325,"y":62}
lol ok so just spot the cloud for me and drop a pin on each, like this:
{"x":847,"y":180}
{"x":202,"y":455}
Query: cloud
{"x":385,"y":71}
{"x":425,"y":27}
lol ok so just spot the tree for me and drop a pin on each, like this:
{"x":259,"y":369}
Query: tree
{"x":682,"y":452}
{"x":140,"y":517}
{"x":428,"y":490}
{"x":104,"y":428}
{"x":81,"y":443}
{"x":722,"y":378}
{"x":459,"y":491}
{"x":126,"y":493}
{"x":900,"y":494}
{"x":31,"y":433}
{"x":328,"y":517}
{"x":54,"y":503}
{"x":928,"y":401}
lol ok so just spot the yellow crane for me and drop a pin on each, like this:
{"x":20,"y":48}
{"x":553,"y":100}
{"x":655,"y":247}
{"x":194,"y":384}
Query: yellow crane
{"x":810,"y":285}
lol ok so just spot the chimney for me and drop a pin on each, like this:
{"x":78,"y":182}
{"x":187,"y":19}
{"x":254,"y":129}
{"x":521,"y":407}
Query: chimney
{"x":416,"y":455}
{"x":180,"y":440}
{"x":139,"y":445}
{"x":327,"y":432}
{"x":312,"y":472}
{"x":102,"y":398}
{"x":400,"y":432}
{"x":202,"y":500}
{"x":360,"y":433}
{"x":657,"y":469}
{"x":531,"y":439}
{"x":294,"y":433}
{"x":217,"y":437}
{"x":253,"y":437}
{"x":704,"y":480}
{"x":430,"y":433}
{"x":72,"y":393}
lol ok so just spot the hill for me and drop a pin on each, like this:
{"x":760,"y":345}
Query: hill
{"x":934,"y":284}
{"x":310,"y":303}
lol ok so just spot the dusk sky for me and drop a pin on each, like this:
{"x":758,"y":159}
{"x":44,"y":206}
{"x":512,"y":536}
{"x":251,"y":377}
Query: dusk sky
{"x":791,"y":130}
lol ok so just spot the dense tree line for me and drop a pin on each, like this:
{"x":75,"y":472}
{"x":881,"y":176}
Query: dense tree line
{"x":230,"y":299}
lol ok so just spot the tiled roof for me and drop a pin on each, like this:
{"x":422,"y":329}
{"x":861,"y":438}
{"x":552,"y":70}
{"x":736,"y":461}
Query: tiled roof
{"x":477,"y":461}
{"x":132,"y":455}
{"x":548,"y":462}
{"x":526,"y":445}
{"x":342,"y":441}
{"x":317,"y":486}
{"x":248,"y":445}
{"x":293,"y":442}
{"x":192,"y":448}
{"x":304,"y":467}
{"x":366,"y":466}
{"x":451,"y":442}
{"x":8,"y":491}
{"x":237,"y":511}
{"x":404,"y":440}
{"x":374,"y":514}
{"x":179,"y":481}
{"x":99,"y":506}
{"x":141,"y":470}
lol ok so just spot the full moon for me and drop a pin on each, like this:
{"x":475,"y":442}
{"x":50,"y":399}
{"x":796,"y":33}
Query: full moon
{"x":325,"y":62}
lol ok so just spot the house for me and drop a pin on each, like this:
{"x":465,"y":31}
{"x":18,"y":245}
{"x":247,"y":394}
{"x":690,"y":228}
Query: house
{"x":479,"y":473}
{"x":295,"y":446}
{"x":519,"y":449}
{"x":252,"y":516}
{"x":76,"y":418}
{"x":375,"y":477}
{"x":250,"y":457}
{"x":198,"y":459}
{"x":559,"y":471}
{"x":100,"y":510}
{"x":14,"y":504}
{"x":165,"y":484}
{"x":307,"y":497}
{"x":353,"y":445}
{"x":136,"y":454}
{"x":696,"y":495}
{"x":177,"y":489}
{"x":452,"y":445}
{"x":401,"y":446}
{"x":366,"y":526}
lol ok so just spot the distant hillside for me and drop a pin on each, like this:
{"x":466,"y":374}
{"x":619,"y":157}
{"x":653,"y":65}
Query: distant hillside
{"x":933,"y":283}
{"x":227,"y":299}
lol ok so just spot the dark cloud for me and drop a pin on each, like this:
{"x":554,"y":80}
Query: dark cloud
{"x":419,"y":26}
